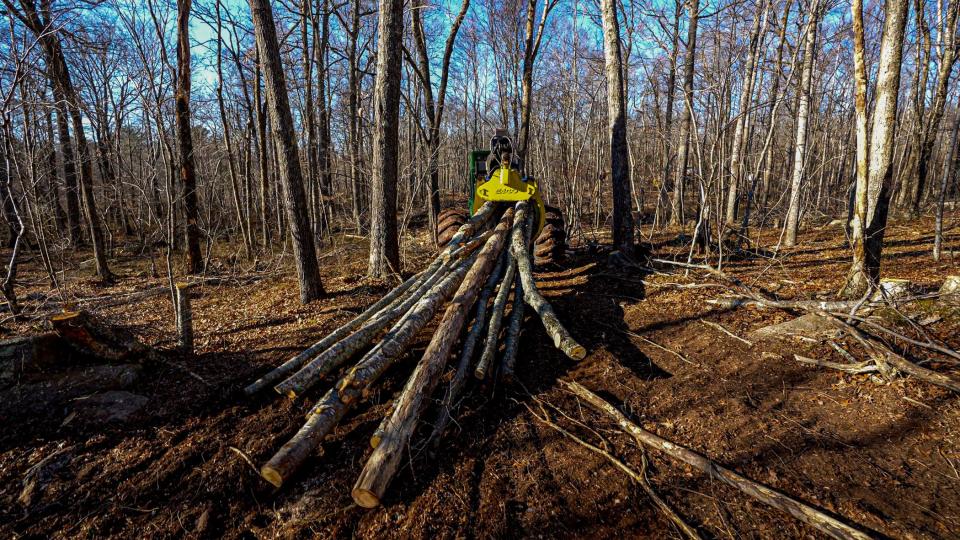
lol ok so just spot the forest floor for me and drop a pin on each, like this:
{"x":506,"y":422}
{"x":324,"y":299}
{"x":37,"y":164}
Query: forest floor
{"x":884,"y":455}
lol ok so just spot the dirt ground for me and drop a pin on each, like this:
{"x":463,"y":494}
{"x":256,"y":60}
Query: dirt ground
{"x":883,"y":455}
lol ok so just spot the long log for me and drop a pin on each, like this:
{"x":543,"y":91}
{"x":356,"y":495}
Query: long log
{"x":765,"y":494}
{"x":398,"y":427}
{"x":331,"y":408}
{"x":492,"y":341}
{"x":521,"y":253}
{"x":469,"y":346}
{"x":296,"y":362}
{"x":457,"y":247}
{"x":512,"y":342}
{"x":343,"y":350}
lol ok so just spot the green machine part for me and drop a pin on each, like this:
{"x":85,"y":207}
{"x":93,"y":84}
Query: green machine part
{"x":478,"y":173}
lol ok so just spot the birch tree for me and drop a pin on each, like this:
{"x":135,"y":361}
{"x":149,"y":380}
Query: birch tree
{"x":873,"y":185}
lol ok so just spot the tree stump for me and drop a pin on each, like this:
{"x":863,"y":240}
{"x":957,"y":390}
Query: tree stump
{"x":184,"y":318}
{"x":90,"y":336}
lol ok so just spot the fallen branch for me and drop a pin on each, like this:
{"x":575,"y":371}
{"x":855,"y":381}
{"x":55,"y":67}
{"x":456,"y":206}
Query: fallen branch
{"x":640,"y":478}
{"x":856,"y":369}
{"x":808,"y":514}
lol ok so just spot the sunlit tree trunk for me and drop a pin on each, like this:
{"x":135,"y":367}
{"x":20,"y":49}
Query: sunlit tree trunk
{"x":686,"y":120}
{"x":188,"y":174}
{"x":617,"y":130}
{"x":873,"y":188}
{"x":742,"y":123}
{"x":287,"y":154}
{"x":384,"y":246}
{"x":803,"y":113}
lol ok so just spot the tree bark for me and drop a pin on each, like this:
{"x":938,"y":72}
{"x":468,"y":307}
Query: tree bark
{"x":288,"y":159}
{"x":874,"y":196}
{"x":188,"y":174}
{"x":617,"y":131}
{"x":384,"y":245}
{"x":803,"y":113}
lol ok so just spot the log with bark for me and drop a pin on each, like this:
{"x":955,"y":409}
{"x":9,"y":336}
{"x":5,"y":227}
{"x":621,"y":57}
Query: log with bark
{"x":521,"y":253}
{"x":480,"y":258}
{"x":397,"y":428}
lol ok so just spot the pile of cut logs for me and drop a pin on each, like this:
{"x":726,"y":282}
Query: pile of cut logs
{"x":471,"y":280}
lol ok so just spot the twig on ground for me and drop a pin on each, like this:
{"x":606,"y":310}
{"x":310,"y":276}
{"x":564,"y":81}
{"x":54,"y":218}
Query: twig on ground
{"x":856,"y":369}
{"x":246,"y":458}
{"x":727,"y":332}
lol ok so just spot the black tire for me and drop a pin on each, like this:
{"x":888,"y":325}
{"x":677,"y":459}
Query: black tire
{"x":448,"y":222}
{"x":551,"y":245}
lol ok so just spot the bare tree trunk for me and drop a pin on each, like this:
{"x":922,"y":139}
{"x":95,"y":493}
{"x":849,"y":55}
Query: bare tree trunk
{"x":666,"y":179}
{"x":188,"y":174}
{"x":742,"y":127}
{"x":69,"y":168}
{"x":355,"y":119}
{"x":686,"y":121}
{"x":434,"y":110}
{"x":873,"y":198}
{"x":304,"y":252}
{"x":228,"y":141}
{"x":617,"y":131}
{"x":51,"y":188}
{"x":531,"y":49}
{"x":949,"y":167}
{"x":803,"y":112}
{"x":384,"y":245}
{"x":932,"y":124}
{"x":262,"y":154}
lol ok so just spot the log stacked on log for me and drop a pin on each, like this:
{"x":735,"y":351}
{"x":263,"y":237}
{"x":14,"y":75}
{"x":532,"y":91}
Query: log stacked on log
{"x":486,"y":259}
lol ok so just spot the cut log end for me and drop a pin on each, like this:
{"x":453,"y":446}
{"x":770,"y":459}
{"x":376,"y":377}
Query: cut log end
{"x":66,"y":315}
{"x":271,"y":475}
{"x":575,"y":351}
{"x":365,"y":498}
